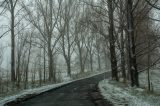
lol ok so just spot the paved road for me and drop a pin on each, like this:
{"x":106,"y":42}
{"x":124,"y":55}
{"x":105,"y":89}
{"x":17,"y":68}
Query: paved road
{"x":74,"y":94}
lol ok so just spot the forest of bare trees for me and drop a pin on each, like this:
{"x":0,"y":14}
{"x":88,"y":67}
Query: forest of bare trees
{"x":52,"y":39}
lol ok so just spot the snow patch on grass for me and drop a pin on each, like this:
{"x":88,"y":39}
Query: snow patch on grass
{"x":154,"y":77}
{"x":123,"y":95}
{"x":35,"y":91}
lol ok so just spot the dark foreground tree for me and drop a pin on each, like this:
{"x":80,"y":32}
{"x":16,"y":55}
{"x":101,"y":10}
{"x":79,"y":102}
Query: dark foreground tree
{"x":131,"y":45}
{"x":112,"y":41}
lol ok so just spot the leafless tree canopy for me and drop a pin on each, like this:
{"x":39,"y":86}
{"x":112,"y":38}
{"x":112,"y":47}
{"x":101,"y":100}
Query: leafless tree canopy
{"x":52,"y":40}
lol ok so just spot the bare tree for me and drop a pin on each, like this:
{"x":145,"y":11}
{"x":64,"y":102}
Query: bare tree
{"x":11,"y":6}
{"x":28,"y":58}
{"x":80,"y":41}
{"x":20,"y":52}
{"x":98,"y":47}
{"x":66,"y":31}
{"x":131,"y":45}
{"x":90,"y":49}
{"x":112,"y":41}
{"x":46,"y":26}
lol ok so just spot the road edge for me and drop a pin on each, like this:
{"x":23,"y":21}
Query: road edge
{"x":97,"y":98}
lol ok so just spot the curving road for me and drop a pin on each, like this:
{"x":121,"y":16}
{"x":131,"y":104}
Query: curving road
{"x":74,"y":94}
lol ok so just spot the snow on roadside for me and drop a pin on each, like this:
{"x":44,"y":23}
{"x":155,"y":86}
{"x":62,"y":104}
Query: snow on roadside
{"x":154,"y":77}
{"x":39,"y":90}
{"x":122,"y":95}
{"x":29,"y":91}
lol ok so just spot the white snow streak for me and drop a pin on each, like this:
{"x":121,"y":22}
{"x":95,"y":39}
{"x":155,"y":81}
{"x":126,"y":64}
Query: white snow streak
{"x":122,"y":95}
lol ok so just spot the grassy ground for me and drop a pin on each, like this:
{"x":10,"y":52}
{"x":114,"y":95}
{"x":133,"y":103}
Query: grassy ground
{"x":121,"y":94}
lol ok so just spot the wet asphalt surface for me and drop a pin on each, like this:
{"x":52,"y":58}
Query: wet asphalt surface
{"x":74,"y":94}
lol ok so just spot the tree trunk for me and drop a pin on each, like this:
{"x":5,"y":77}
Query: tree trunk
{"x":99,"y":60}
{"x":27,"y":65}
{"x":69,"y":68}
{"x":148,"y":70}
{"x":12,"y":44}
{"x":81,"y":60}
{"x":91,"y":61}
{"x":18,"y":72}
{"x":122,"y":53}
{"x":44,"y":65}
{"x":122,"y":57}
{"x":131,"y":46}
{"x":50,"y":62}
{"x":112,"y":42}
